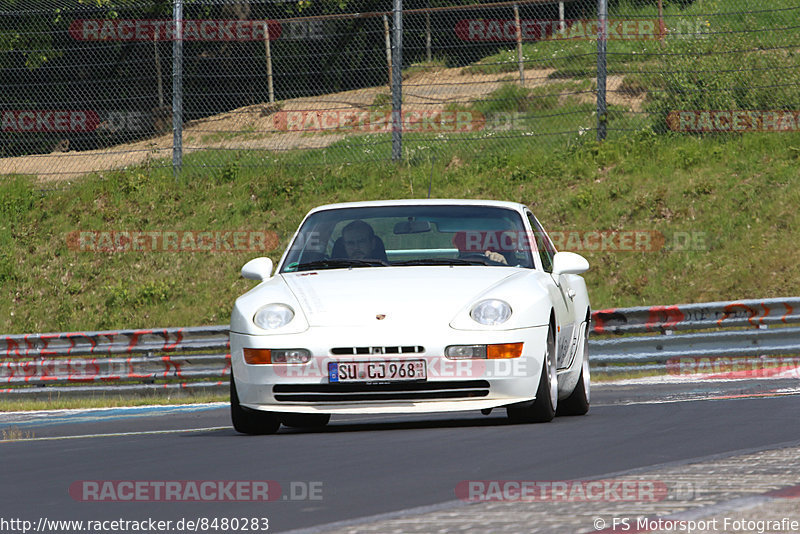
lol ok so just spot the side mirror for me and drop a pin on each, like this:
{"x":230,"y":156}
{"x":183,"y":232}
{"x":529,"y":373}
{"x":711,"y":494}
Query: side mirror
{"x":569,"y":263}
{"x":257,"y":269}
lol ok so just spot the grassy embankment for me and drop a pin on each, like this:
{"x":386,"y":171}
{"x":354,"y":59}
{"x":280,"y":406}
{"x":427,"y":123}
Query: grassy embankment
{"x":738,"y":195}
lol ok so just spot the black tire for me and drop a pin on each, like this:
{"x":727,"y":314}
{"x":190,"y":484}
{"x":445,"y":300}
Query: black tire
{"x":304,"y":420}
{"x":543,"y":409}
{"x":578,"y":401}
{"x":249,"y":421}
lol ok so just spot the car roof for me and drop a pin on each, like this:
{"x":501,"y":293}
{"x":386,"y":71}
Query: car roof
{"x":422,"y":202}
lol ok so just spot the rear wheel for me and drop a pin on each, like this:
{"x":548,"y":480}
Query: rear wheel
{"x":305,"y":420}
{"x":578,"y":401}
{"x":249,"y":421}
{"x":543,"y":408}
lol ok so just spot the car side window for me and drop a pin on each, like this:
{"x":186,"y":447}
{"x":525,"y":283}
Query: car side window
{"x":543,"y":244}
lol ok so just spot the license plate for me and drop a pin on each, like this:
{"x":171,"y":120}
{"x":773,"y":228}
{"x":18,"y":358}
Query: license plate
{"x":377,"y":371}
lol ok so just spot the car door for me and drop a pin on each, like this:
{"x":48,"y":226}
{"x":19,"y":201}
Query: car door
{"x":561,"y":295}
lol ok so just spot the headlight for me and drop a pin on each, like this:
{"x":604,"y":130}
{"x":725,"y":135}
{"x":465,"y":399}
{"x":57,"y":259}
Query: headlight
{"x":273,"y":316}
{"x":483,"y":352}
{"x":491,"y":312}
{"x":465,"y":352}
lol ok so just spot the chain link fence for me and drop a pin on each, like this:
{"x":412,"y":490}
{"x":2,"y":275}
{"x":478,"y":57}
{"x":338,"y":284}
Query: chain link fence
{"x":88,"y":87}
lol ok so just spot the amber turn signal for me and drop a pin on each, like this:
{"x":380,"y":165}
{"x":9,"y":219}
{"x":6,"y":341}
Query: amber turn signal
{"x":257,"y":356}
{"x":505,"y":350}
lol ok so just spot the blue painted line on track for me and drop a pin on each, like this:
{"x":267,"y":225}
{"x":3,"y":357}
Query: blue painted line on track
{"x":63,"y":417}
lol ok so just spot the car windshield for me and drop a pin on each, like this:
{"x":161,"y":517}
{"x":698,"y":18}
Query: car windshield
{"x":446,"y":235}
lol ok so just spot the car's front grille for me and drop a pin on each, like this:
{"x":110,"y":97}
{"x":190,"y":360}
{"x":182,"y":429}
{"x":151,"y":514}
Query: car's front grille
{"x":380,"y":391}
{"x":406,"y":349}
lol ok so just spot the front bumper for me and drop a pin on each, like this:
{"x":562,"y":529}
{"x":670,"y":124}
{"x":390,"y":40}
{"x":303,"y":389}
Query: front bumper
{"x":451,"y":385}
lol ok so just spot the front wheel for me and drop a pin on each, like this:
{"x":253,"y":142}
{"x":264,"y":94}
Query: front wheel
{"x":249,"y":421}
{"x":543,"y":408}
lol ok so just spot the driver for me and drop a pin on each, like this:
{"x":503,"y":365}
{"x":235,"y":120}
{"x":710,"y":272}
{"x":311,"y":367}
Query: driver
{"x":359,"y":241}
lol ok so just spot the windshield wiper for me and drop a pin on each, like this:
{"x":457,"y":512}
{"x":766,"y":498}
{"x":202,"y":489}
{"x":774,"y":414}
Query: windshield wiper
{"x":339,"y":263}
{"x":445,"y":261}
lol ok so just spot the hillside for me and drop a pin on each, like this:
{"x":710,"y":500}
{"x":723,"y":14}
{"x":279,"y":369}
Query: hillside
{"x":662,"y":217}
{"x":724,"y":206}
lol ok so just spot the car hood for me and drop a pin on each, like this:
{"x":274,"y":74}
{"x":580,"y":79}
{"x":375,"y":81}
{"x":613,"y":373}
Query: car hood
{"x":357,"y":297}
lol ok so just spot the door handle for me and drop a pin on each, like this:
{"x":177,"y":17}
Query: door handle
{"x":571,"y":293}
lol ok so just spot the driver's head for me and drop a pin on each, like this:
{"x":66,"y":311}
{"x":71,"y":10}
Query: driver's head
{"x":359,"y":240}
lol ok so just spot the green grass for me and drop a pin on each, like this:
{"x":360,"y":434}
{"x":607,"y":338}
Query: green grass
{"x":512,"y":97}
{"x":736,"y":195}
{"x":696,"y":29}
{"x":712,"y":58}
{"x":436,"y":63}
{"x":381,"y":102}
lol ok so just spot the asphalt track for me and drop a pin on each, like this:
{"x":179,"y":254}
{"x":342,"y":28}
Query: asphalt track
{"x":367,"y":465}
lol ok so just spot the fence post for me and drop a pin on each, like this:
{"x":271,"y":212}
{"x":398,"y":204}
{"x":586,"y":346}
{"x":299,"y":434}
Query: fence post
{"x":397,"y":83}
{"x":519,"y":46}
{"x":388,"y":39}
{"x":428,"y":36}
{"x":268,"y":52}
{"x":159,"y":80}
{"x":177,"y":88}
{"x":602,"y":41}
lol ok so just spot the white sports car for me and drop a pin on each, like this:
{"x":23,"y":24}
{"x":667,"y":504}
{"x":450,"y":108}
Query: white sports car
{"x":411,"y":306}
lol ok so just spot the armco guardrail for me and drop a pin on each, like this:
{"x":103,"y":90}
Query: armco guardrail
{"x":198,"y":358}
{"x":113,"y":362}
{"x":669,"y":335}
{"x":697,"y":316}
